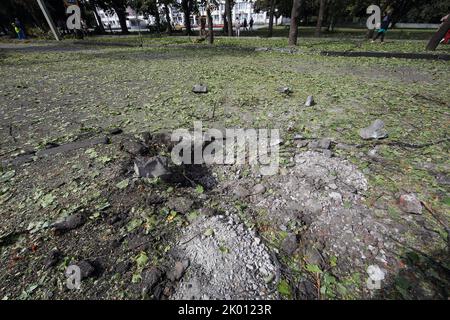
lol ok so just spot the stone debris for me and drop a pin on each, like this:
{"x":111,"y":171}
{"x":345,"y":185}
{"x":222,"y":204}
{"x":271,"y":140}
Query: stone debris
{"x":53,"y":258}
{"x":258,"y":189}
{"x":240,"y":192}
{"x":200,"y":88}
{"x":71,"y":222}
{"x":150,"y":278}
{"x":115,"y":131}
{"x":325,"y":195}
{"x":285,"y":90}
{"x":153,"y":167}
{"x":374,"y":131}
{"x":180,"y":204}
{"x":87,"y":270}
{"x":133,"y":147}
{"x":324,"y":143}
{"x":232,"y":263}
{"x":410,"y":204}
{"x":309,"y":101}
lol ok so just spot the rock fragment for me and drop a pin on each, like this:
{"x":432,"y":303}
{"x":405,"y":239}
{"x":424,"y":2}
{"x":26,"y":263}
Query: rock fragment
{"x":410,"y":204}
{"x":87,"y":270}
{"x":309,"y":101}
{"x":374,"y":131}
{"x":324,"y":143}
{"x":150,"y":277}
{"x":71,"y":222}
{"x":52,"y":259}
{"x":240,"y":192}
{"x":153,"y":167}
{"x":285,"y":90}
{"x":115,"y":131}
{"x":200,"y":88}
{"x":258,"y":189}
{"x":133,"y":147}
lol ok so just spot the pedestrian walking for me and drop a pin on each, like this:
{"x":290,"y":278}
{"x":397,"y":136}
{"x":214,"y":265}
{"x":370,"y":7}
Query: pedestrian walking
{"x":18,"y":28}
{"x":245,"y":24}
{"x":237,"y":25}
{"x":251,"y":23}
{"x":381,"y":32}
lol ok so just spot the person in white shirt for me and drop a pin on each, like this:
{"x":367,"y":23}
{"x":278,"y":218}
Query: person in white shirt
{"x":237,"y":25}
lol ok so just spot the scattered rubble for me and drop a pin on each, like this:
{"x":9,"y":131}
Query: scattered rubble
{"x":153,"y":167}
{"x":374,"y":131}
{"x":230,"y":264}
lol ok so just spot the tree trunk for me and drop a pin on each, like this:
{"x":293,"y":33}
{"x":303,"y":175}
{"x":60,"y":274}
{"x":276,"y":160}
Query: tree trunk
{"x":229,"y":19}
{"x":320,"y":18}
{"x":271,"y":14}
{"x":293,"y":29}
{"x":157,"y":19}
{"x":167,"y":13}
{"x":187,"y":16}
{"x":225,"y":24}
{"x":121,"y":14}
{"x":436,"y":39}
{"x":210,"y":25}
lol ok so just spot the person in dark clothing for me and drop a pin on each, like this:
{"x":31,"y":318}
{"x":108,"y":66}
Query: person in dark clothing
{"x":381,"y":32}
{"x":245,"y":24}
{"x":19,"y":29}
{"x":251,"y":23}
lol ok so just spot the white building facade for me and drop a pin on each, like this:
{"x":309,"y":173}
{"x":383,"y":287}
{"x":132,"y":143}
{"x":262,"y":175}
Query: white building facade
{"x":242,"y":10}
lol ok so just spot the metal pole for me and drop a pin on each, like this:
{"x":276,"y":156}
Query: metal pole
{"x":49,"y":19}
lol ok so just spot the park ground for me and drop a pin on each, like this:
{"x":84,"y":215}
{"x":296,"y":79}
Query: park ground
{"x":147,"y":238}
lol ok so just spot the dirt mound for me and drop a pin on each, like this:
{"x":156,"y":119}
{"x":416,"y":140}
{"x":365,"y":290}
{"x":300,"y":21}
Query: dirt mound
{"x":324,"y":197}
{"x":227,"y":260}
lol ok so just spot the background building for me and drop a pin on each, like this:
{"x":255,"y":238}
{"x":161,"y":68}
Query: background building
{"x":242,"y":9}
